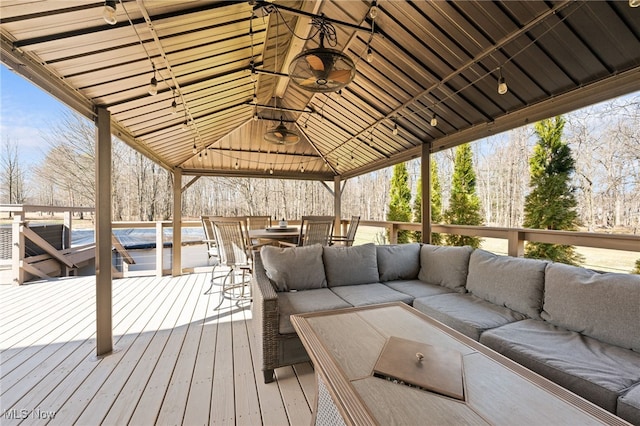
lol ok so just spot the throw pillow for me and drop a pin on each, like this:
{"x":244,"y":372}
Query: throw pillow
{"x":350,"y":265}
{"x":295,"y":268}
{"x":398,"y":262}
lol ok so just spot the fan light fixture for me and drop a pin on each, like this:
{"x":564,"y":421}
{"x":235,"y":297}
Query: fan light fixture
{"x":322,"y":69}
{"x":109,"y":12}
{"x":280,"y":135}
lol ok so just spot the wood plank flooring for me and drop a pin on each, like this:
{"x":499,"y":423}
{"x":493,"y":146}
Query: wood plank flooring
{"x":177,"y":359}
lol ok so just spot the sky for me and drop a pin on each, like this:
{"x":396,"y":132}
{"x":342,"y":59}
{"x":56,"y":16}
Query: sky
{"x":26,"y":112}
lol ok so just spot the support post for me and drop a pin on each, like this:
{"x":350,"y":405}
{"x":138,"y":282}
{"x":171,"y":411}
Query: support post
{"x":104,"y":328}
{"x":176,"y":247}
{"x":425,"y":165}
{"x":337,"y":205}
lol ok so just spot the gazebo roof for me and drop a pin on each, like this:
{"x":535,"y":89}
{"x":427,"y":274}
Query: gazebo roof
{"x":431,"y":57}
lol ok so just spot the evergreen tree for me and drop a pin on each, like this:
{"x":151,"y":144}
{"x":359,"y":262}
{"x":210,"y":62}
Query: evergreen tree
{"x":551,"y":204}
{"x":464,"y":205}
{"x":436,"y":202}
{"x":417,"y":209}
{"x":400,"y":200}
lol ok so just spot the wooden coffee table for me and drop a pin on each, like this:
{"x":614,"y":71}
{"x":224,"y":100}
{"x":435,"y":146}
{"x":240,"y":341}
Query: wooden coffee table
{"x":344,"y":346}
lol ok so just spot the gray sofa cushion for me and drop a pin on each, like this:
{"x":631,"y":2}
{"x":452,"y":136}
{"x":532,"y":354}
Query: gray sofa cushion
{"x":594,"y":370}
{"x":629,"y":405}
{"x":350,"y":265}
{"x":445,"y":266}
{"x":297,"y":268}
{"x":466,"y":313}
{"x":513,"y":282}
{"x":603,"y":306}
{"x":370,"y":294}
{"x":300,"y":302}
{"x":398,"y":262}
{"x":417,"y":288}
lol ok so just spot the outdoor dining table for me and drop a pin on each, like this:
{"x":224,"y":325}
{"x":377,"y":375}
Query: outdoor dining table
{"x":276,"y":233}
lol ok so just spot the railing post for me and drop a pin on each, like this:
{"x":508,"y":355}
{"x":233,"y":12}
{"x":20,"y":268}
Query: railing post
{"x":515,"y":243}
{"x":17,"y":248}
{"x":159,"y":249}
{"x":393,"y":234}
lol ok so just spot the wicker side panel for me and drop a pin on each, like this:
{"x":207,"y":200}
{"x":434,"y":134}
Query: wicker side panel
{"x":265,"y":315}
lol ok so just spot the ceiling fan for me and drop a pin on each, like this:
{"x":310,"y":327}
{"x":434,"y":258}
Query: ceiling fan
{"x":281,"y":135}
{"x":322,"y":69}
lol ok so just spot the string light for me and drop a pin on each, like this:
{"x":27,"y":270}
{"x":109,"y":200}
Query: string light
{"x":369,"y":55}
{"x":200,"y":157}
{"x":195,"y":148}
{"x":153,"y":84}
{"x":237,"y":165}
{"x":434,"y":120}
{"x":109,"y":12}
{"x":174,"y":104}
{"x":301,"y":168}
{"x":395,"y":128}
{"x":502,"y":85}
{"x":373,"y":11}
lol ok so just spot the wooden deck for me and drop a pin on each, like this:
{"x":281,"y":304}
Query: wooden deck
{"x":177,"y":360}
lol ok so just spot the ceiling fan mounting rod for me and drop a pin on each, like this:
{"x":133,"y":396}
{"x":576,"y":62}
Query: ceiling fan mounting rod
{"x":307,"y":109}
{"x":259,"y":4}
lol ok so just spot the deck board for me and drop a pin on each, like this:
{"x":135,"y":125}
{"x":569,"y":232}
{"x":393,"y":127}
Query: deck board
{"x":177,"y":360}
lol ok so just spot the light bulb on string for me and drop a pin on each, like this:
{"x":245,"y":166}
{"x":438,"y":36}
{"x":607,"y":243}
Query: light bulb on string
{"x":237,"y":165}
{"x":195,"y":148}
{"x":109,"y":12}
{"x":153,"y":84}
{"x":395,"y":128}
{"x":434,"y":120}
{"x":200,"y":157}
{"x":502,"y":84}
{"x":373,"y":11}
{"x":369,"y":55}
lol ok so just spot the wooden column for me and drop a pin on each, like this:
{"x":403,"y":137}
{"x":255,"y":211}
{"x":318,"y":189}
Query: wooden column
{"x":426,"y":192}
{"x":337,"y":205}
{"x":104,"y":328}
{"x":176,"y":249}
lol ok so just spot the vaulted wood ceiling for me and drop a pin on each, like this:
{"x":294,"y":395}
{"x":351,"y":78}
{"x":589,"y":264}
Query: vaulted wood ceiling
{"x":429,"y":57}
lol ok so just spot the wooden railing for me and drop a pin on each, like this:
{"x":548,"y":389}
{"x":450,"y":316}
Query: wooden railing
{"x":515,"y":237}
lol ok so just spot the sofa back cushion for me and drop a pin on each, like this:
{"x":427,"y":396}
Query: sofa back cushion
{"x":398,"y":261}
{"x":350,"y":265}
{"x":295,"y":268}
{"x":445,"y":266}
{"x":513,"y":282}
{"x":603,"y":306}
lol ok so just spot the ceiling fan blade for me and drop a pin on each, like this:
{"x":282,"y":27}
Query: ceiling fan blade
{"x":278,"y":134}
{"x":315,"y":62}
{"x":340,"y":76}
{"x":308,"y":82}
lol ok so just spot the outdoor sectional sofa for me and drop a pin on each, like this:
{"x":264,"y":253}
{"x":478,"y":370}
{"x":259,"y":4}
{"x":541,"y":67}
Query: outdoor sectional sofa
{"x":577,"y":327}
